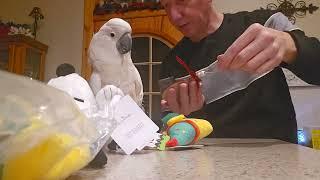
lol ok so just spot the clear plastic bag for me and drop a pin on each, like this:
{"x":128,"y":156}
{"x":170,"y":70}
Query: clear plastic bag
{"x":216,"y":83}
{"x":43,"y":134}
{"x":220,"y":83}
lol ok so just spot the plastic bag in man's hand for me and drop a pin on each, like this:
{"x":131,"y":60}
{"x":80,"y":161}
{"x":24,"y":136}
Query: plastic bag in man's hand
{"x":217,"y":83}
{"x":220,"y":83}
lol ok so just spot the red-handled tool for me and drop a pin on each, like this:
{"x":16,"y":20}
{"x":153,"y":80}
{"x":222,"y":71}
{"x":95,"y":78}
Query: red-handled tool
{"x":191,"y":72}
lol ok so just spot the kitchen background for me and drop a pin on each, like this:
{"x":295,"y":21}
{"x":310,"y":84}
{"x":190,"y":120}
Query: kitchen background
{"x":62,"y":31}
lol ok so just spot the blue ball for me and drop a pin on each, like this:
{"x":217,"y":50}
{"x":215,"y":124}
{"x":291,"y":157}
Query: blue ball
{"x":183,"y":132}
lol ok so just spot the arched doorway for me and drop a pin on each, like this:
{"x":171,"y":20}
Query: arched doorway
{"x":148,"y":51}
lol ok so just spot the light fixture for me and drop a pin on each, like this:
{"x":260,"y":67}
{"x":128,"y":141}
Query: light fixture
{"x":37,"y":15}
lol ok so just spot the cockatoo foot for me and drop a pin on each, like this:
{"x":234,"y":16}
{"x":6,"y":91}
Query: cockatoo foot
{"x":108,"y":96}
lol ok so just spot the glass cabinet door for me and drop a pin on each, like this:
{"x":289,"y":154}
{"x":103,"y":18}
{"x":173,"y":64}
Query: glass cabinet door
{"x":4,"y":57}
{"x":147,"y":54}
{"x":32,"y":64}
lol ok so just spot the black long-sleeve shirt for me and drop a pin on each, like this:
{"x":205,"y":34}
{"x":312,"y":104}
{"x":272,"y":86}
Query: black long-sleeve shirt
{"x":264,"y":109}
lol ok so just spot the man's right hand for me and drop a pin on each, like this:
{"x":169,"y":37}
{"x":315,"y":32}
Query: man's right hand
{"x":183,"y":98}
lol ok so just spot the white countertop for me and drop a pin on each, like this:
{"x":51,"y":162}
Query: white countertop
{"x":220,"y":159}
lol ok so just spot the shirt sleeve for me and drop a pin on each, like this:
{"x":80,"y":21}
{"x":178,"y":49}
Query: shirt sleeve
{"x":306,"y":65}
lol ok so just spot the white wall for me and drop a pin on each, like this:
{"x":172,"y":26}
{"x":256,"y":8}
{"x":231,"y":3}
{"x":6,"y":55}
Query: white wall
{"x":310,"y":23}
{"x":306,"y":99}
{"x":307,"y":105}
{"x":61,"y":29}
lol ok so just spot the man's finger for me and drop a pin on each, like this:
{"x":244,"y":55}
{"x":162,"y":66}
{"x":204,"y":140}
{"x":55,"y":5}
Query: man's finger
{"x":164,"y":105}
{"x":271,"y":64}
{"x":260,"y":59}
{"x":193,"y":94}
{"x":254,"y":48}
{"x":184,"y":98}
{"x":247,"y":37}
{"x":171,"y":98}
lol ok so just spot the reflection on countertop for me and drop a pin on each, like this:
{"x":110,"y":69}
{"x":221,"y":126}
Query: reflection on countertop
{"x":218,"y":159}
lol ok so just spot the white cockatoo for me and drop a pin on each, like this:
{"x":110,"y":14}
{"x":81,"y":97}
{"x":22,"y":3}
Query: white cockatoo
{"x":110,"y":56}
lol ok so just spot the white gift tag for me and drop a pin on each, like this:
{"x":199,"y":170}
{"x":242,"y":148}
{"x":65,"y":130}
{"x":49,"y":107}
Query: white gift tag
{"x":136,"y":128}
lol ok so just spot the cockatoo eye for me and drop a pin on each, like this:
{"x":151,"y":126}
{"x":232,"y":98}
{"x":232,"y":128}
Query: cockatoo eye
{"x":112,"y":34}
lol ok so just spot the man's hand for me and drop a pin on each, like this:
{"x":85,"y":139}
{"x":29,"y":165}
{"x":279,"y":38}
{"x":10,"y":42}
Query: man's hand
{"x":258,"y":50}
{"x":183,"y":98}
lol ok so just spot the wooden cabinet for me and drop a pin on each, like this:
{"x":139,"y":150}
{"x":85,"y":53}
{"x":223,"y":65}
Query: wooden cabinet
{"x":23,"y":55}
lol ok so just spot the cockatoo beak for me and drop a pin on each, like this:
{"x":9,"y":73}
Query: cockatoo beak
{"x":124,"y":44}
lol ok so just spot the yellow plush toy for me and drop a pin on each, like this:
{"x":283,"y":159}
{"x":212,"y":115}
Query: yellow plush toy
{"x":55,"y":157}
{"x":182,"y":131}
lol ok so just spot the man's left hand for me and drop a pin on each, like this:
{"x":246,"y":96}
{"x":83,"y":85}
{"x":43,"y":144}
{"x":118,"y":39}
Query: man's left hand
{"x":258,"y":50}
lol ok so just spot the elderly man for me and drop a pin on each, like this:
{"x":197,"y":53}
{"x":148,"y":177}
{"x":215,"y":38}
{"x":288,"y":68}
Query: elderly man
{"x":256,"y":42}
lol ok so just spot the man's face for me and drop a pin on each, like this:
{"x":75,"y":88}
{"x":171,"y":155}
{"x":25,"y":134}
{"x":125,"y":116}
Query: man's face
{"x":189,"y":16}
